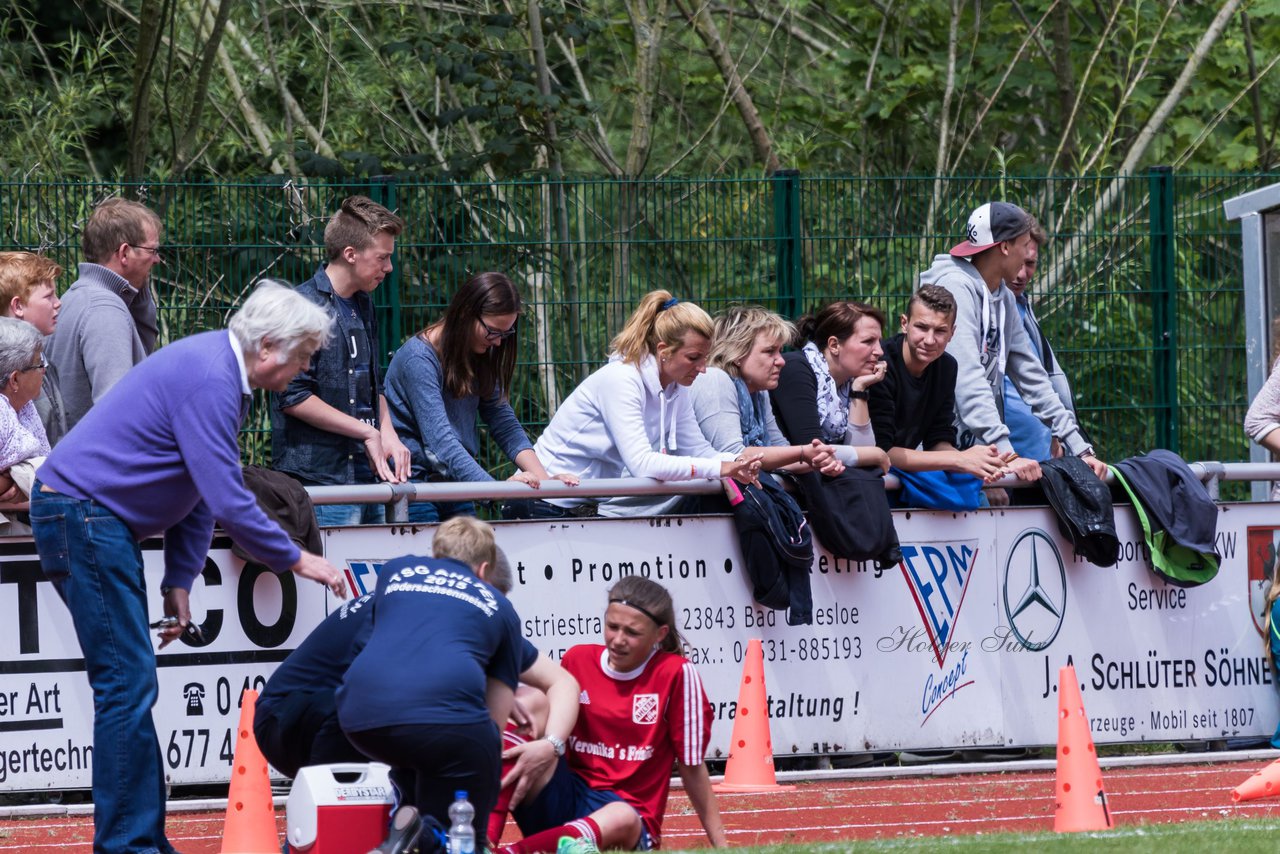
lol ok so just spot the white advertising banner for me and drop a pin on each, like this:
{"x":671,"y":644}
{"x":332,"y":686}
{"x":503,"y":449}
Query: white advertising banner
{"x":959,"y":645}
{"x":250,"y":620}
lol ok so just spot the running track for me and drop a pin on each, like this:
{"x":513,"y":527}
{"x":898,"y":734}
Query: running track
{"x":838,"y":806}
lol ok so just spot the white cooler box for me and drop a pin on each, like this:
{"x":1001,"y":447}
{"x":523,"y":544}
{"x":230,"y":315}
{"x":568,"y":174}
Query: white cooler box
{"x":339,"y":809}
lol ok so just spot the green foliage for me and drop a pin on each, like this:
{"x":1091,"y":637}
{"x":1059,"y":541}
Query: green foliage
{"x":351,"y":89}
{"x":1234,"y":833}
{"x":56,"y":96}
{"x":314,"y":98}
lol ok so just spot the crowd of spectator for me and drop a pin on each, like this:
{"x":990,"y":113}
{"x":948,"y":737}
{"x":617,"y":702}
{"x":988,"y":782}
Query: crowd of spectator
{"x":969,"y":386}
{"x":97,"y":430}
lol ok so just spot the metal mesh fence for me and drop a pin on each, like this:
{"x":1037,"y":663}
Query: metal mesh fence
{"x":1139,"y":287}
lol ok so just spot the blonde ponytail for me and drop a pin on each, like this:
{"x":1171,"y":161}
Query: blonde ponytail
{"x":660,"y":318}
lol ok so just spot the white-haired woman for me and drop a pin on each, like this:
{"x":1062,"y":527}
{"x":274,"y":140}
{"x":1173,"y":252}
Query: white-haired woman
{"x":22,"y":365}
{"x":731,"y":400}
{"x":633,"y":416}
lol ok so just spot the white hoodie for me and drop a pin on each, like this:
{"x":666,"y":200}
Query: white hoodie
{"x":620,"y":422}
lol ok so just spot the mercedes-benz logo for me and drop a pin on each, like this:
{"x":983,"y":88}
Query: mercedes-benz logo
{"x":1035,"y":589}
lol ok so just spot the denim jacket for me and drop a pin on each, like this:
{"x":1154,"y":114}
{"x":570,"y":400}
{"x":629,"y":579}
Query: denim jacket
{"x":310,"y":454}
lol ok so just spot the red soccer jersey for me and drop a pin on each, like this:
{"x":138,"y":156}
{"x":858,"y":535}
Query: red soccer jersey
{"x":633,"y":726}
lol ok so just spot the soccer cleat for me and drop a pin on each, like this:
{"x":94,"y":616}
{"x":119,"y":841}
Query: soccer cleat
{"x":576,"y":845}
{"x":406,"y":827}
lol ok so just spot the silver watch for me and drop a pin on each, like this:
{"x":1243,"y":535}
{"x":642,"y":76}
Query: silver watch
{"x":557,"y":743}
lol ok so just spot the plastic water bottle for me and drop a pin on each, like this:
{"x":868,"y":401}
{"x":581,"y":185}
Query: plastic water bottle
{"x":462,"y":836}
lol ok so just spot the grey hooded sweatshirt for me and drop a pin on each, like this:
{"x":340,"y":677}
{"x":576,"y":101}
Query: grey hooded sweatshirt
{"x":990,"y":343}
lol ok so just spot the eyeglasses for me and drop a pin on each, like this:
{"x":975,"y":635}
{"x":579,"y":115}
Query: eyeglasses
{"x":497,"y":334}
{"x":154,"y":250}
{"x":43,"y":364}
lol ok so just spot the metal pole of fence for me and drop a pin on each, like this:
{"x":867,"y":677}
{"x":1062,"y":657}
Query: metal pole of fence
{"x":786,"y":233}
{"x":382,"y":190}
{"x":1164,"y":299}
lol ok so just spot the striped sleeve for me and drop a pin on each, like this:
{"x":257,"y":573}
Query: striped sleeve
{"x":693,"y":730}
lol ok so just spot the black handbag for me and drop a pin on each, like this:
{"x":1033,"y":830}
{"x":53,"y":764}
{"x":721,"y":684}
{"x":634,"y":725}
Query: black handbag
{"x":850,"y":515}
{"x":777,"y":548}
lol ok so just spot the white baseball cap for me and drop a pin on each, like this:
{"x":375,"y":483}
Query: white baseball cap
{"x":994,"y":222}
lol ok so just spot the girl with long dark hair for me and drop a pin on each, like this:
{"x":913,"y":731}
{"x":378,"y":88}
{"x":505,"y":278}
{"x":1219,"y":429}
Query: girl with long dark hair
{"x":452,"y":372}
{"x":822,"y":393}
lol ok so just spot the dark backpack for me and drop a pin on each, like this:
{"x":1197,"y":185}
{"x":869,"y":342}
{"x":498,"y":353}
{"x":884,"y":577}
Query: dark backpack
{"x":850,"y":515}
{"x":1178,"y":516}
{"x":777,"y":548}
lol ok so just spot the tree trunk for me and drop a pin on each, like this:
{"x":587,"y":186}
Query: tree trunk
{"x":735,"y":86}
{"x":1064,"y":74}
{"x":183,"y":156}
{"x":1255,"y":96}
{"x":151,"y":23}
{"x":940,"y":168}
{"x":562,"y":246}
{"x":648,"y":24}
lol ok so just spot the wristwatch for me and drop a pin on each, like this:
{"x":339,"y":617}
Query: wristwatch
{"x":859,"y":395}
{"x":557,"y":743}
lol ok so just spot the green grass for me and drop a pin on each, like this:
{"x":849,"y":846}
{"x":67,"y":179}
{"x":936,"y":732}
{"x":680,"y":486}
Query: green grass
{"x":1240,"y":836}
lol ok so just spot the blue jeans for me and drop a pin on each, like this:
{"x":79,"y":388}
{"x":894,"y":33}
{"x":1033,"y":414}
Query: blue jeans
{"x":427,"y":512}
{"x":342,"y":515}
{"x":95,"y":564}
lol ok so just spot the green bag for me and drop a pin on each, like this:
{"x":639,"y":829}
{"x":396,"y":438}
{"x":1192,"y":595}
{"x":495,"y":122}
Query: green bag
{"x":1175,"y":563}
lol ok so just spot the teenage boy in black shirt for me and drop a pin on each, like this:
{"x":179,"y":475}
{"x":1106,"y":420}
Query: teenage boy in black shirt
{"x":913,"y":407}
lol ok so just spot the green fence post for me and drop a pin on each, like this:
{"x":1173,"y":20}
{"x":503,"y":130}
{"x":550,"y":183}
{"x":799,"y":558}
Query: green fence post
{"x":786,"y":235}
{"x":1164,"y":303}
{"x":382,"y":189}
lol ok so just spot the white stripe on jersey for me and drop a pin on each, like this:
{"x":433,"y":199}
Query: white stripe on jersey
{"x":585,"y":831}
{"x":695,"y":750}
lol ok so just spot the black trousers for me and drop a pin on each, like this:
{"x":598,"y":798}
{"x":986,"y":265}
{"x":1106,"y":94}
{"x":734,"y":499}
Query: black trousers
{"x":430,"y":762}
{"x":302,"y":729}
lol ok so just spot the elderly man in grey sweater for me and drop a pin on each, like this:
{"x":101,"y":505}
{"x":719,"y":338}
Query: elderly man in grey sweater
{"x":108,"y":319}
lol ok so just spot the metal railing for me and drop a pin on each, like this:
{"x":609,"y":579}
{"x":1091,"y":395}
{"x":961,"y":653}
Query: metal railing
{"x":397,"y":497}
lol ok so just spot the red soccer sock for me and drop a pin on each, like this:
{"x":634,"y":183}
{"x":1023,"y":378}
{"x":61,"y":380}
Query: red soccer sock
{"x":548,"y":840}
{"x":498,"y":818}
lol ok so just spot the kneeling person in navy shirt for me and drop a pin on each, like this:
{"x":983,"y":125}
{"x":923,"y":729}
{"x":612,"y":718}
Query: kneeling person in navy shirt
{"x":433,"y":686}
{"x":296,"y":719}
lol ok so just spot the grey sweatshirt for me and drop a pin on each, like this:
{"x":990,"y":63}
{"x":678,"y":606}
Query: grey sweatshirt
{"x":990,"y":343}
{"x":102,"y":328}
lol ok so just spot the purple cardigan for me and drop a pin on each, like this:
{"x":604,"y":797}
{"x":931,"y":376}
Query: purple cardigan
{"x":160,"y":451}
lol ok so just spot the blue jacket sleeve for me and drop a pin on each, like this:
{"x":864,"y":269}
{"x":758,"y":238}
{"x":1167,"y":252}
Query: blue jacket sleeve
{"x":503,"y":425}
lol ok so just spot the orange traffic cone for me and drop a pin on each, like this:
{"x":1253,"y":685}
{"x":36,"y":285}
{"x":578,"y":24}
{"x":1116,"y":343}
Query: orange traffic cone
{"x":250,"y":826}
{"x":750,"y":764}
{"x":1264,"y":784}
{"x":1081,"y":802}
